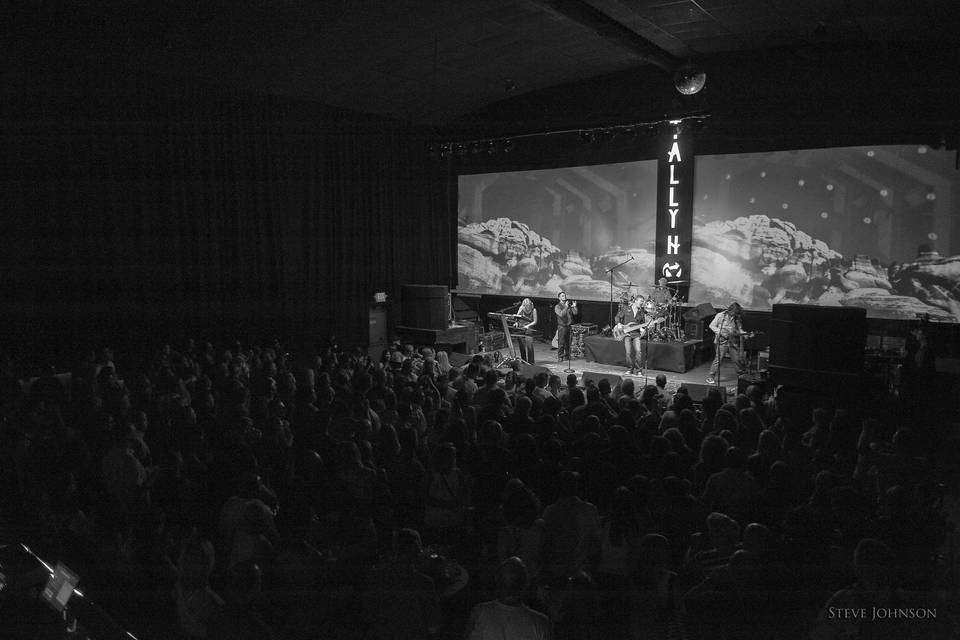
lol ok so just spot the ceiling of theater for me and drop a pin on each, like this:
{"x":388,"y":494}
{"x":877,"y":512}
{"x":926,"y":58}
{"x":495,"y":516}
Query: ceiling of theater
{"x":433,"y":61}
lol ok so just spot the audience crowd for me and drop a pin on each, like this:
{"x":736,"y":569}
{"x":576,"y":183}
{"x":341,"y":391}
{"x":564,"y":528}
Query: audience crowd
{"x":238,"y":492}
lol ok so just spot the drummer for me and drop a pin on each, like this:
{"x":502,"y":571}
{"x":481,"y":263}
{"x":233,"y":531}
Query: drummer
{"x":662,"y":294}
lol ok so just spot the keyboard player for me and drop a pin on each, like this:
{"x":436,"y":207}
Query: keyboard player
{"x":526,"y":315}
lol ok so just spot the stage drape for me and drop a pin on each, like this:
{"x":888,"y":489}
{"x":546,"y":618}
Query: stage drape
{"x":137,"y":207}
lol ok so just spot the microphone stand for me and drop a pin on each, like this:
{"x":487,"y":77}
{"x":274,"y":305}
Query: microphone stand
{"x":610,"y":271}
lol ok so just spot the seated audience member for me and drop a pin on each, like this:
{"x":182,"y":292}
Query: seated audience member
{"x":576,"y":610}
{"x":400,"y":602}
{"x":197,"y":604}
{"x":240,"y":618}
{"x":508,"y":616}
{"x":877,"y":593}
{"x":711,"y":554}
{"x":571,"y":530}
{"x":655,"y":600}
{"x":446,"y":497}
{"x":731,"y":491}
{"x":521,"y":534}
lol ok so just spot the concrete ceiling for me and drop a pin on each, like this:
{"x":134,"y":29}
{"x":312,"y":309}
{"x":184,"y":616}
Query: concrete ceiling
{"x":433,"y":61}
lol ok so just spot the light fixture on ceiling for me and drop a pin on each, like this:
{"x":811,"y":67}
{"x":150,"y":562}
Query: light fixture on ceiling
{"x":689,"y":78}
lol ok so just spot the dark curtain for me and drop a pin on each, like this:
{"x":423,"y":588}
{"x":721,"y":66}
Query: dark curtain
{"x":141,"y":208}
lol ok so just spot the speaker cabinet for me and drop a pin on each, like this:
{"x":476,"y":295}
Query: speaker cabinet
{"x":377,"y":341}
{"x":693,"y":329}
{"x":813,"y":338}
{"x":597,"y":376}
{"x":424,"y":306}
{"x":698,"y":391}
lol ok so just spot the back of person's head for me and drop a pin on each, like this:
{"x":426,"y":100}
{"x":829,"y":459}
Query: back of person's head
{"x":576,"y":398}
{"x":604,"y":387}
{"x":196,"y":561}
{"x":491,"y":432}
{"x":654,"y":552}
{"x":571,"y":380}
{"x":713,"y":451}
{"x":769,"y":443}
{"x":248,"y":485}
{"x":661,"y":380}
{"x":445,"y":458}
{"x":541,"y":379}
{"x":735,"y":458}
{"x":523,"y":406}
{"x":756,"y":538}
{"x":568,"y":484}
{"x":627,"y":388}
{"x":512,"y":578}
{"x":244,"y":581}
{"x":490,"y":378}
{"x":407,"y":544}
{"x":872,"y":561}
{"x":722,"y":529}
{"x":780,"y":474}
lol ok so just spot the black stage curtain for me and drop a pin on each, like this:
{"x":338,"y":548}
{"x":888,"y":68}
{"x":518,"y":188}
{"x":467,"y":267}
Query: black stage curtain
{"x":140,"y":207}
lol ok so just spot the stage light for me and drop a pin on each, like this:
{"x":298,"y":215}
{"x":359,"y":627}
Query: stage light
{"x":884,"y":193}
{"x":689,"y":79}
{"x":922,"y":149}
{"x":867,"y":220}
{"x":824,"y":215}
{"x":871,"y":153}
{"x":785,"y":206}
{"x":801,"y":182}
{"x":932,"y":236}
{"x":829,"y":187}
{"x":931,"y":196}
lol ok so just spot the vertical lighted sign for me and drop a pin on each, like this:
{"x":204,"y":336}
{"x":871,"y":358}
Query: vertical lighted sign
{"x":674,"y":207}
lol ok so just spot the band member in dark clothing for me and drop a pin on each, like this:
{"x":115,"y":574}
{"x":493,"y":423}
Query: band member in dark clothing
{"x":631,"y":316}
{"x":565,"y":312}
{"x":526,"y":326}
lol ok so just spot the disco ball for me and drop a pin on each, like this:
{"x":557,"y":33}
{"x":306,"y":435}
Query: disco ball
{"x":689,"y":79}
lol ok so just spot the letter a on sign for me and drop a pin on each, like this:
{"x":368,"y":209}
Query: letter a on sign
{"x":674,"y":155}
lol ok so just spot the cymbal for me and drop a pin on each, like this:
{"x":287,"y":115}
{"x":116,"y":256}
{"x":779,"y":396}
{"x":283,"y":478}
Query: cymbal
{"x":678,"y":282}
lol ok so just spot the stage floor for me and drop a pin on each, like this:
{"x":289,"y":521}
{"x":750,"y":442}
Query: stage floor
{"x":547,"y":357}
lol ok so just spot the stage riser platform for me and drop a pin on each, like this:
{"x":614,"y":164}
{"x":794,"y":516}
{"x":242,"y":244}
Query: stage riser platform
{"x":678,"y":357}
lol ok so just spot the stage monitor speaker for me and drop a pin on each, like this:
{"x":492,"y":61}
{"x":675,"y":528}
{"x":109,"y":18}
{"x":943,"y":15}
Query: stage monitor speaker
{"x":700,"y":312}
{"x":493,"y":358}
{"x":693,"y":329}
{"x":597,"y":376}
{"x":814,"y":338}
{"x":530,"y":370}
{"x":424,"y":306}
{"x":753,"y":379}
{"x":698,"y":391}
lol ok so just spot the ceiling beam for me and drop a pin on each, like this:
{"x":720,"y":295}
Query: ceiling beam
{"x":614,"y":32}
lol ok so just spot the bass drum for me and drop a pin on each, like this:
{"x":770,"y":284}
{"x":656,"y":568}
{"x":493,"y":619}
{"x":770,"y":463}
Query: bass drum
{"x":653,"y":309}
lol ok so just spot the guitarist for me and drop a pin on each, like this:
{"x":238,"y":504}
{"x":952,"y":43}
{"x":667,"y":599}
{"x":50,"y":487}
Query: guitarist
{"x":727,"y":327}
{"x":632,"y":317}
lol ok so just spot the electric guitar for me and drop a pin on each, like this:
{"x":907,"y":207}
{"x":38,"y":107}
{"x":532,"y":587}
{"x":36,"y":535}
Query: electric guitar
{"x":635,"y":329}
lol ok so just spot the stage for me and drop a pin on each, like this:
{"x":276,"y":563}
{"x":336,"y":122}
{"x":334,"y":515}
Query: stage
{"x":693,"y":378}
{"x":677,"y":357}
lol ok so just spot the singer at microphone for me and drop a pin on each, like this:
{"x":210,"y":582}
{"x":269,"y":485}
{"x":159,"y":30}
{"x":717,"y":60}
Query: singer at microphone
{"x":564,"y":312}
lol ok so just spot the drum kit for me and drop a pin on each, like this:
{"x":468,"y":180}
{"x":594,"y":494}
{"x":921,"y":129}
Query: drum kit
{"x":664,"y":303}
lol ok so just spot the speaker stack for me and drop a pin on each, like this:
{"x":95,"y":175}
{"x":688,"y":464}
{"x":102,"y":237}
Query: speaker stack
{"x":424,"y":306}
{"x":815,"y":348}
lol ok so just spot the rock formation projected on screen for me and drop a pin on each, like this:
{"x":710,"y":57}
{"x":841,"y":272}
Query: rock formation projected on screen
{"x":763,"y":261}
{"x":505,"y":256}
